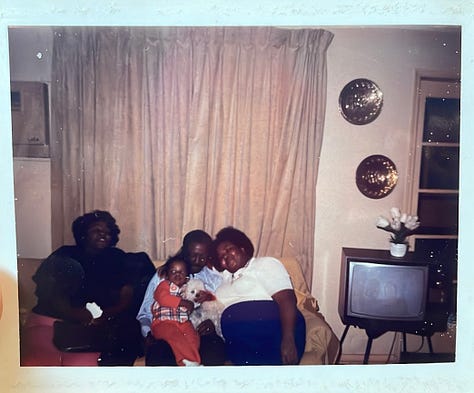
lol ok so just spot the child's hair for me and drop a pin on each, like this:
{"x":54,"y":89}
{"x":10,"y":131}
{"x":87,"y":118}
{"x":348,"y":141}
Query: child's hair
{"x":163,"y":270}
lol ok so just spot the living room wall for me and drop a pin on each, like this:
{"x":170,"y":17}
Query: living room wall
{"x":390,"y":57}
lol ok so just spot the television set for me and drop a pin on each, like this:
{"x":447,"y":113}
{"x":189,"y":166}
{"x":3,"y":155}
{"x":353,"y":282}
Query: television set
{"x":381,"y":293}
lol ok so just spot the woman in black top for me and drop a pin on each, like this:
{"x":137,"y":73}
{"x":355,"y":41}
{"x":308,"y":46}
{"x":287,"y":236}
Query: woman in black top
{"x":92,"y":271}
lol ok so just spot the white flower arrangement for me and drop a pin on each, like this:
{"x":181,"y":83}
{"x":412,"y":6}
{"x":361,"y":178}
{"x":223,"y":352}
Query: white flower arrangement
{"x":401,"y":225}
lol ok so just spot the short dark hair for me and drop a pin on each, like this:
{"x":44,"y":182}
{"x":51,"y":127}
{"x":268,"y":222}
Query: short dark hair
{"x":236,"y":237}
{"x":196,"y":236}
{"x":82,"y":223}
{"x":163,"y":270}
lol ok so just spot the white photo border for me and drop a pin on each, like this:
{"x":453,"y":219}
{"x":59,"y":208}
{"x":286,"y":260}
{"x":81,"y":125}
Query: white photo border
{"x":452,"y":377}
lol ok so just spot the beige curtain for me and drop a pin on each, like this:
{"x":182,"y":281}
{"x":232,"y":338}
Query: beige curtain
{"x":177,"y":128}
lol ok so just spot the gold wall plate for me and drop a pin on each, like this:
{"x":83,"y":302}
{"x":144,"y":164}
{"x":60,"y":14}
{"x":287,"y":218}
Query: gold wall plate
{"x":376,"y":176}
{"x":360,"y":101}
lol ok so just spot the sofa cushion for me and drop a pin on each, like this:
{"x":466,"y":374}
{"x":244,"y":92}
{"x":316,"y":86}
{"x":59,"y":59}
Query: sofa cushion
{"x":304,"y":298}
{"x":322,"y":344}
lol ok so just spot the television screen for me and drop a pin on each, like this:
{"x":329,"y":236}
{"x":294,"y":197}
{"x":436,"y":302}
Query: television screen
{"x":386,"y":291}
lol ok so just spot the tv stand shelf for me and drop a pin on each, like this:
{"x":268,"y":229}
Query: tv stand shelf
{"x":381,"y":293}
{"x":373,"y":334}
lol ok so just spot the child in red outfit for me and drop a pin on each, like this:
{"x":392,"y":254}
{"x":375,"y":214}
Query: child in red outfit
{"x":171,"y":313}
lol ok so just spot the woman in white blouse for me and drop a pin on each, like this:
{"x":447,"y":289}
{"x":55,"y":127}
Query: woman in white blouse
{"x":261,"y":324}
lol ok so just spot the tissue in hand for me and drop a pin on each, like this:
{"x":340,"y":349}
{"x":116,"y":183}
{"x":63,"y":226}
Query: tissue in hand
{"x":94,"y":309}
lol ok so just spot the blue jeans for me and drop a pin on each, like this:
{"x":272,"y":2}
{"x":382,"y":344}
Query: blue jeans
{"x":252,"y":332}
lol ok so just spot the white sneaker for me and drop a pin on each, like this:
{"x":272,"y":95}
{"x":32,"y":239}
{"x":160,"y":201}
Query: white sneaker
{"x":190,"y":363}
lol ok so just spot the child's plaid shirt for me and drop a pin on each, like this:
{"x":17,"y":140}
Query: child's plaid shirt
{"x":164,"y":313}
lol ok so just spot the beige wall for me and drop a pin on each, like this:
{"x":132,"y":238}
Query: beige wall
{"x":390,"y":57}
{"x":32,"y":181}
{"x":30,"y":53}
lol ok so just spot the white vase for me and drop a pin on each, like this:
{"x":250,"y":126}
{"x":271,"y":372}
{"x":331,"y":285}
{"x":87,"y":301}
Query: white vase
{"x":398,"y":249}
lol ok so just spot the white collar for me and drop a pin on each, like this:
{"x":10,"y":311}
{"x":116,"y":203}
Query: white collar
{"x":239,"y":273}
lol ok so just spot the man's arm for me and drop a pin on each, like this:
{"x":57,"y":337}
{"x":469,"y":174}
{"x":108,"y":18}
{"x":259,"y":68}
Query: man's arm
{"x":144,"y":314}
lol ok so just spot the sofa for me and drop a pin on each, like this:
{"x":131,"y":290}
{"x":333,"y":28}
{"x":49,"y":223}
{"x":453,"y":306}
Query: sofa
{"x":322,"y":344}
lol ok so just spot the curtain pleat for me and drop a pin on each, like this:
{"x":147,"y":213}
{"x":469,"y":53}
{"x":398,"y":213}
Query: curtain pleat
{"x":176,"y":128}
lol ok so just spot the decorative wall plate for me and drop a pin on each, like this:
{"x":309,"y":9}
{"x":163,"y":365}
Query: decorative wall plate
{"x":360,"y":101}
{"x":376,"y":176}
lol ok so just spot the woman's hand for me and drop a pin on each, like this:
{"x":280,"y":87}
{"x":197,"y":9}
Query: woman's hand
{"x":103,"y":319}
{"x":286,"y":301}
{"x":289,"y":354}
{"x":84,"y":316}
{"x":206,"y":327}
